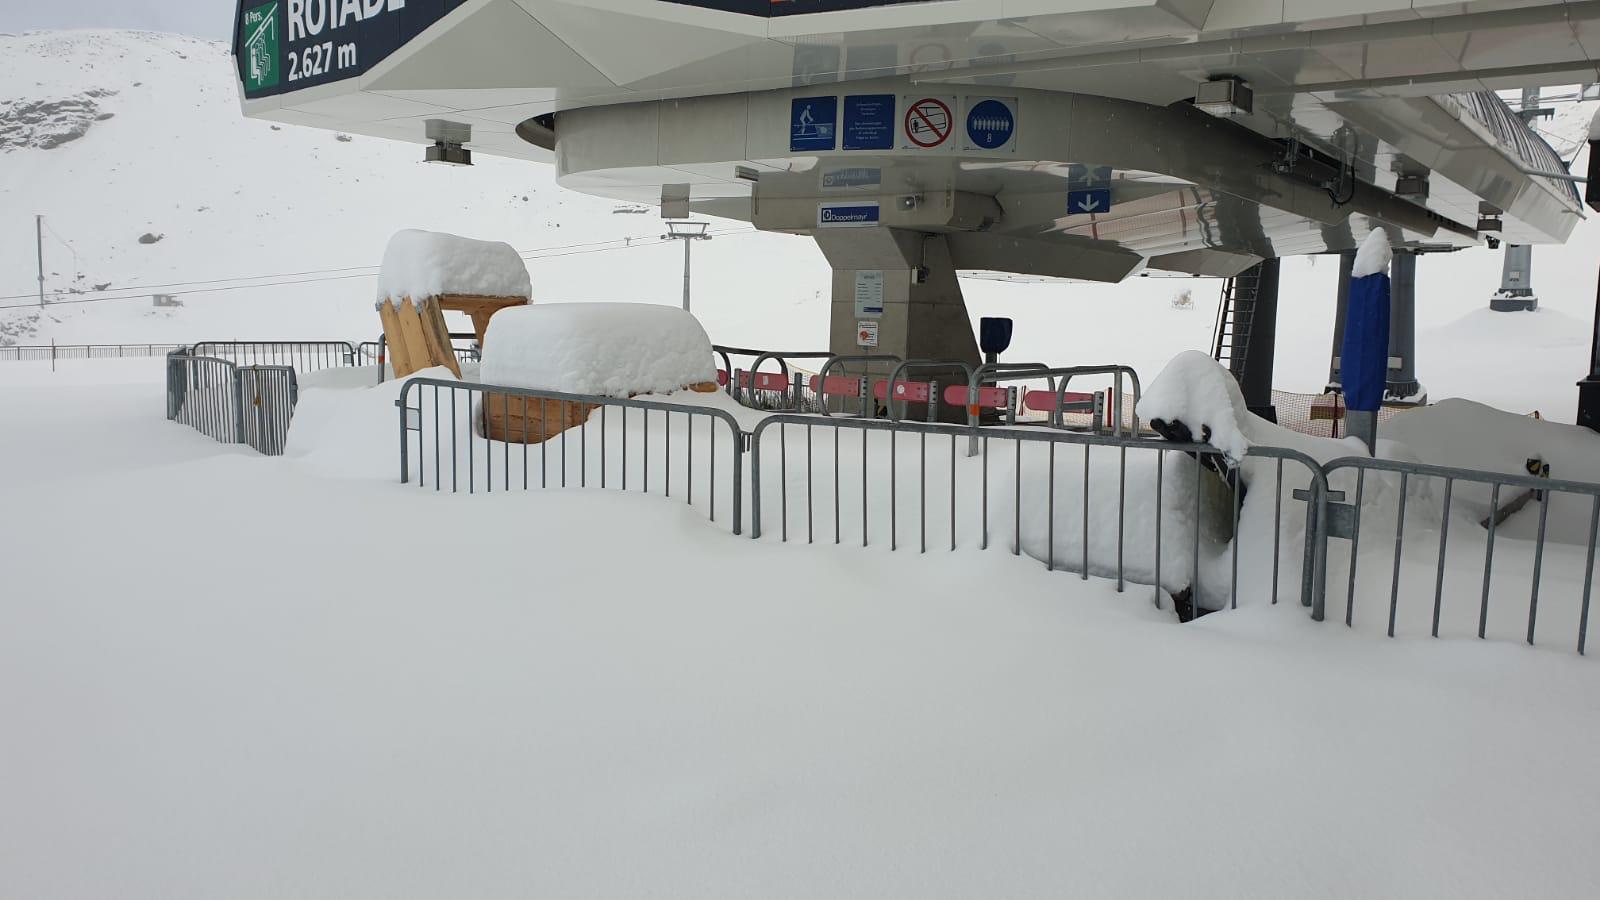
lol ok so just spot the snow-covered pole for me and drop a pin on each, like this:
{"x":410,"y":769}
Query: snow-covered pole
{"x":1364,"y":356}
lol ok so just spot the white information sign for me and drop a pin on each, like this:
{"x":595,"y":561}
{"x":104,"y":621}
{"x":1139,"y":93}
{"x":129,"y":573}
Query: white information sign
{"x":869,"y":292}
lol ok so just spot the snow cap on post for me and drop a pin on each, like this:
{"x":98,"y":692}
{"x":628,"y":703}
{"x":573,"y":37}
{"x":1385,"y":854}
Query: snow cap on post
{"x":1374,"y":256}
{"x":423,"y":264}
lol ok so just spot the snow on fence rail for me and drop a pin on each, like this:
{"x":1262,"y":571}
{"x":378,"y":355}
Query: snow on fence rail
{"x":229,"y":403}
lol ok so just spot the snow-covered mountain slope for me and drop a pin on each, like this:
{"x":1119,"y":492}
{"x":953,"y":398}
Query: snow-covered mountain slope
{"x":116,"y":137}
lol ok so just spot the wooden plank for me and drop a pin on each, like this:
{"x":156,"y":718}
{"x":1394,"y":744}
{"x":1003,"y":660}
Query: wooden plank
{"x":394,"y":340}
{"x":480,"y":308}
{"x":440,"y":352}
{"x":441,"y":333}
{"x":416,"y":344}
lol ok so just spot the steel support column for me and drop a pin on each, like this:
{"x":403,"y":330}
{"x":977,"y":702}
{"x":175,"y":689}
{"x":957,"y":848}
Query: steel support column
{"x":1402,"y":381}
{"x":1589,"y":388}
{"x":1347,"y":265}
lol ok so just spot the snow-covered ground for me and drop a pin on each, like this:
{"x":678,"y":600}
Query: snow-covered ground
{"x":225,"y":674}
{"x":229,"y":674}
{"x":226,"y":197}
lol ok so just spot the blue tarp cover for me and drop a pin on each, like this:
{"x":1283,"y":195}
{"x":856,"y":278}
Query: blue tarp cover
{"x":1364,"y":357}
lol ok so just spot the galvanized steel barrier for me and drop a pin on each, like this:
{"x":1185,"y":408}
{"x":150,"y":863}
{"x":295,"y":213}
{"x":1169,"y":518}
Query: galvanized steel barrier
{"x":1508,"y":495}
{"x":302,"y":356}
{"x":232,"y":404}
{"x":974,"y":516}
{"x":50,"y":352}
{"x":812,"y":487}
{"x":445,"y":443}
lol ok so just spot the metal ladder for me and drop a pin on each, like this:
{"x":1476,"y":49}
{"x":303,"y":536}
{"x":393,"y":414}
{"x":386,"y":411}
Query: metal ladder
{"x":1230,"y":344}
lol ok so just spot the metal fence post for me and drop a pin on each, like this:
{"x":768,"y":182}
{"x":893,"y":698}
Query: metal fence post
{"x":755,"y":484}
{"x":238,"y":410}
{"x":405,"y":444}
{"x":738,"y":479}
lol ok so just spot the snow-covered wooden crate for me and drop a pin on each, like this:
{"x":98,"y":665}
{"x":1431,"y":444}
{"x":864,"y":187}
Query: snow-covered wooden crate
{"x":590,"y":349}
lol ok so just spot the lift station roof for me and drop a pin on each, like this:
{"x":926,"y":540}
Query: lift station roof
{"x":1081,"y":138}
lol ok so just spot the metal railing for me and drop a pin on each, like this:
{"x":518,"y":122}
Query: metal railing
{"x":448,"y":441}
{"x":229,"y":403}
{"x":1044,"y":503}
{"x":1181,"y":519}
{"x":302,"y":356}
{"x":49,"y":352}
{"x":1503,"y":501}
{"x":267,"y":397}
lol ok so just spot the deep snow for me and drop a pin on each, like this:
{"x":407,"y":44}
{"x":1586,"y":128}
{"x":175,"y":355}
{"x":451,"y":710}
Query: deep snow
{"x":226,"y":674}
{"x":257,"y":690}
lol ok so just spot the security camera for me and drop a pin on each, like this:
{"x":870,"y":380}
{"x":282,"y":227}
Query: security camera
{"x":1494,"y":243}
{"x":909,"y":202}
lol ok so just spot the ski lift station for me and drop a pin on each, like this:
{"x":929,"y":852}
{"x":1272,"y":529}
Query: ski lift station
{"x":1066,"y":138}
{"x":1081,"y":139}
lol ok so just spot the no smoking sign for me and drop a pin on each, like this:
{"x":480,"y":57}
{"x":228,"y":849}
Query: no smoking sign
{"x":928,"y":123}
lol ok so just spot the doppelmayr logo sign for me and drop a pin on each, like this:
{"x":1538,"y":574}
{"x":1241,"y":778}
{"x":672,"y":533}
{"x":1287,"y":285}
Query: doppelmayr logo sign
{"x":847,"y":215}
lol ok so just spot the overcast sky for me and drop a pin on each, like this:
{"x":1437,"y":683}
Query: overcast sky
{"x":204,"y":18}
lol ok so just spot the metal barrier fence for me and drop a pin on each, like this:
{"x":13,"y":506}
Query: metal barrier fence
{"x":267,"y":396}
{"x":965,"y":393}
{"x":469,"y":437}
{"x":1047,"y":505}
{"x":1179,"y":518}
{"x":232,"y":404}
{"x":302,"y":356}
{"x":49,"y":352}
{"x":1496,"y":501}
{"x":202,"y":393}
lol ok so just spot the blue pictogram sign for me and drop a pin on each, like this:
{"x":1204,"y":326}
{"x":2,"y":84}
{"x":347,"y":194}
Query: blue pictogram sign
{"x":991,"y":124}
{"x":813,"y":123}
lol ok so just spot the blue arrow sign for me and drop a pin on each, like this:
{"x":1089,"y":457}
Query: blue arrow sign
{"x":1097,"y":200}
